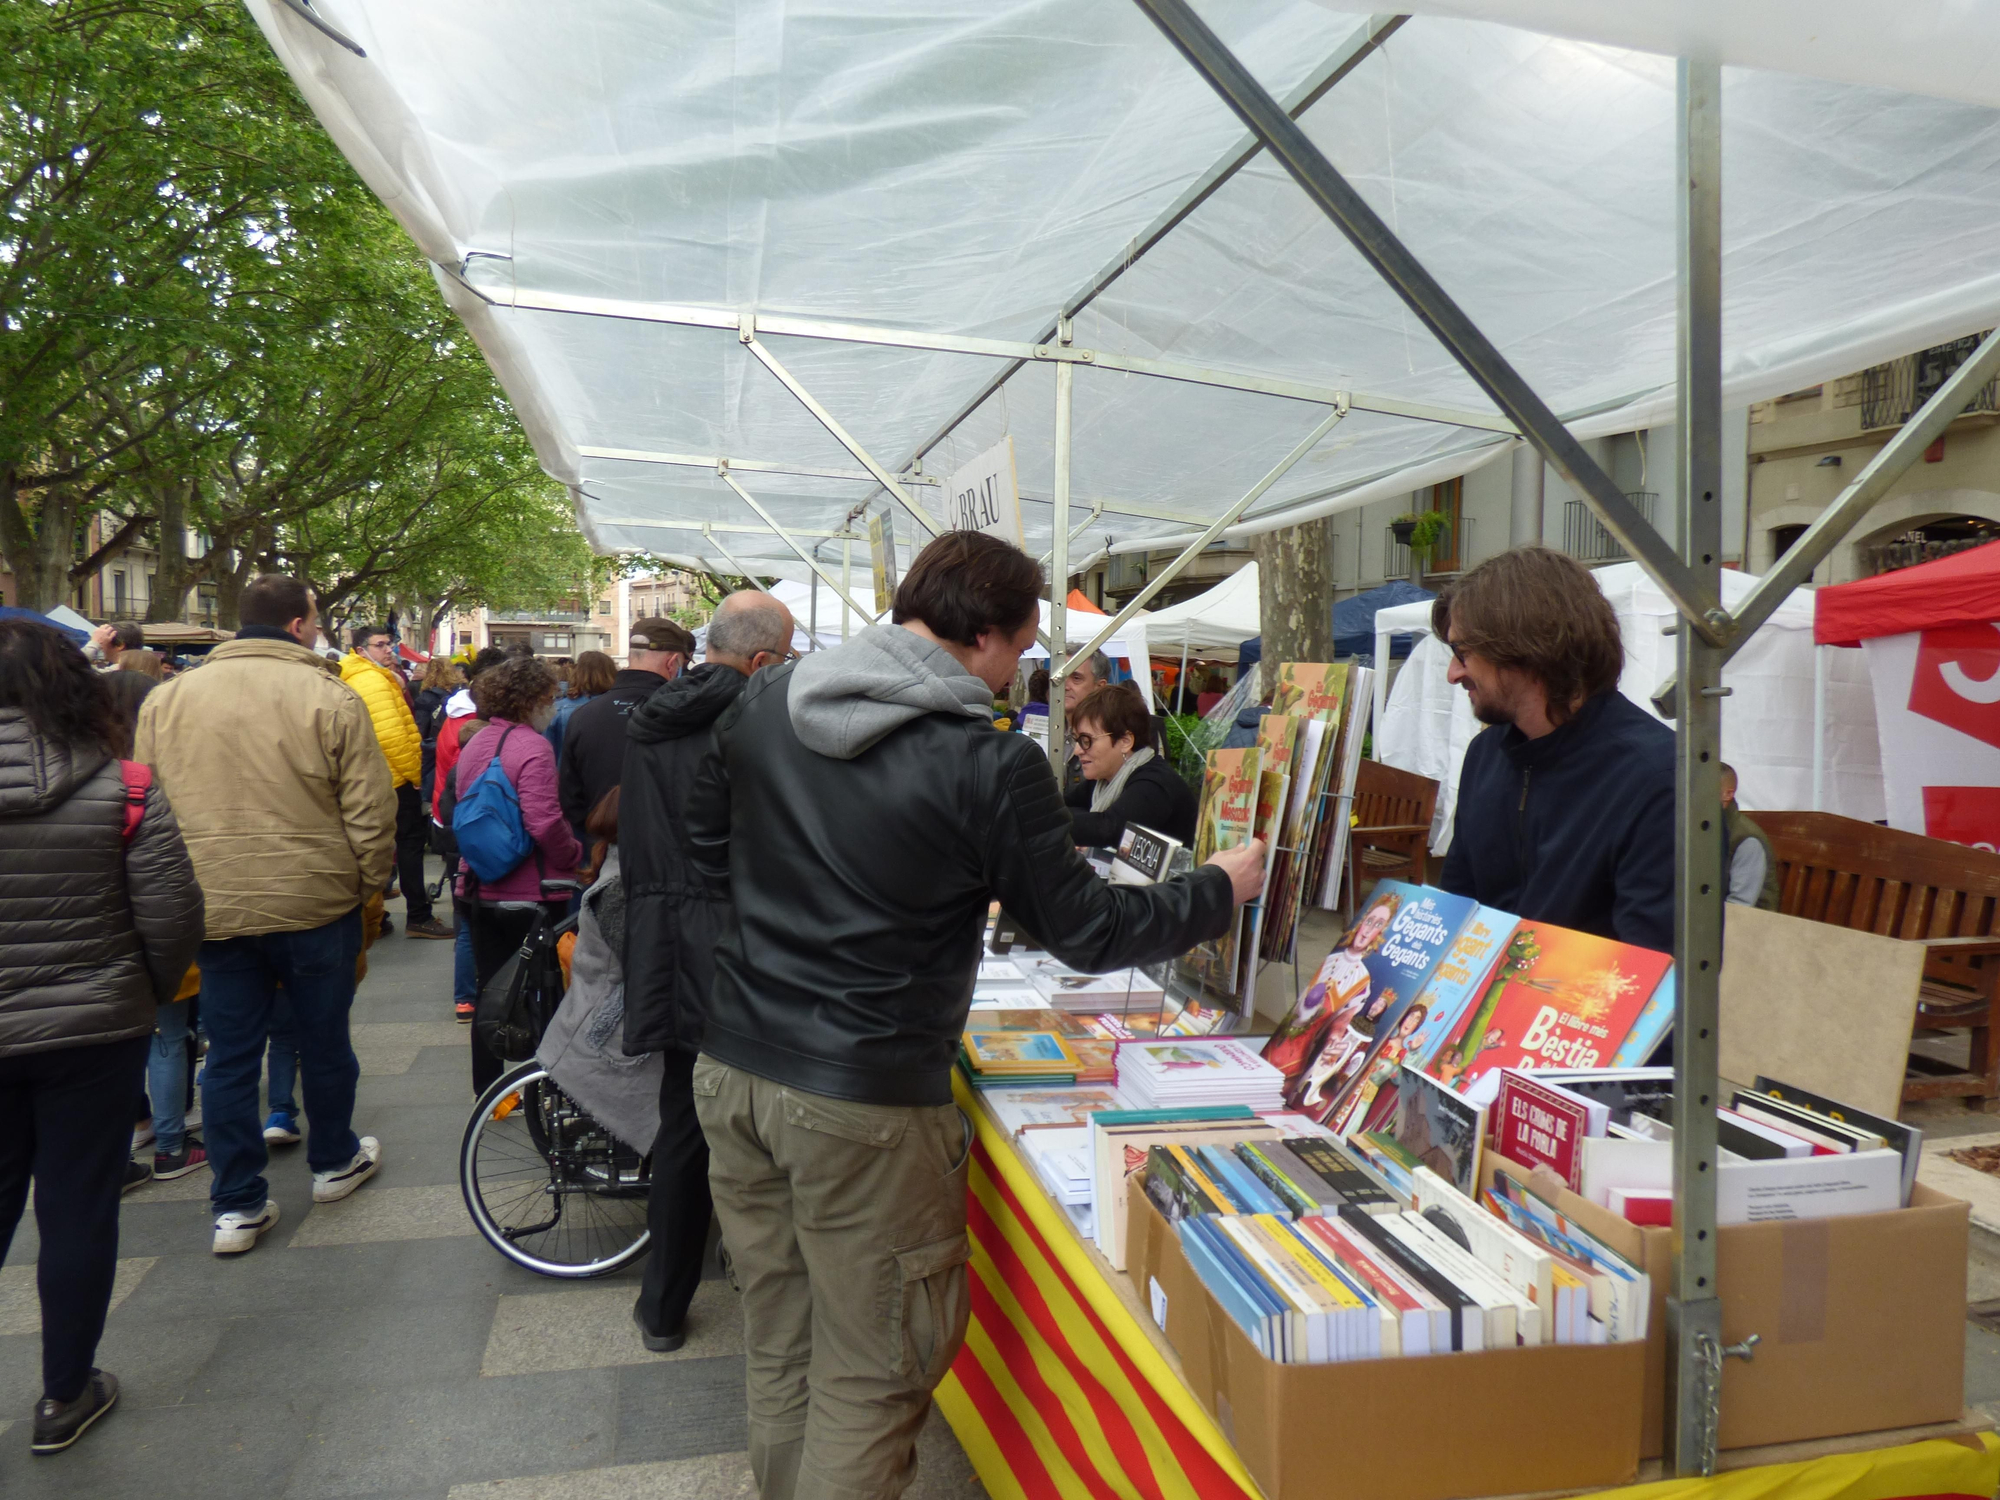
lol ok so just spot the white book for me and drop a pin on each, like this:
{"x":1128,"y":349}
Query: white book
{"x":1517,"y":1260}
{"x":1510,"y":1317}
{"x":1808,"y":1187}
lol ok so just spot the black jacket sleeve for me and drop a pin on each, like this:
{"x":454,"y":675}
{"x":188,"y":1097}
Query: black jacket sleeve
{"x":167,"y":910}
{"x":571,"y":794}
{"x":708,"y":811}
{"x":1033,"y":867}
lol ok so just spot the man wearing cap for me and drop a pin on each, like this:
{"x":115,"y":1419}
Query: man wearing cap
{"x":593,"y":755}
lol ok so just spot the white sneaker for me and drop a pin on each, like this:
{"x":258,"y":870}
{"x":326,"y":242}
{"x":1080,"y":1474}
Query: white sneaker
{"x":236,"y":1232}
{"x":142,"y":1135}
{"x":331,"y":1187}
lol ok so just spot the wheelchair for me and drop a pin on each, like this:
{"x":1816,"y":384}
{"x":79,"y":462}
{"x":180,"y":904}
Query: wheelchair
{"x":546,"y":1185}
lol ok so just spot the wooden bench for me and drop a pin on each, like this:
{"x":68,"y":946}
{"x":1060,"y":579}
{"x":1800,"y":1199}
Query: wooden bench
{"x":1392,"y":826}
{"x":1902,"y":885}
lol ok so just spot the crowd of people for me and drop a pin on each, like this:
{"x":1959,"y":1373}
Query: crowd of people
{"x":781,"y":867}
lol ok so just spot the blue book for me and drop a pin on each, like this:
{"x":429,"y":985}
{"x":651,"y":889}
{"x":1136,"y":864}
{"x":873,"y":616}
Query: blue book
{"x":1241,"y":1182}
{"x":1230,"y":1255}
{"x":1230,"y":1297}
{"x":1652,"y":1024}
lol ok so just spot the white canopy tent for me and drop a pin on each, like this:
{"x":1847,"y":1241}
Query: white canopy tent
{"x":802,"y":600}
{"x":1216,"y":620}
{"x":810,"y":244}
{"x":1769,"y":719}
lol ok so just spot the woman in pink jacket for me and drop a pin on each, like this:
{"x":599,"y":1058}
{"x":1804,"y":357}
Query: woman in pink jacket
{"x":517,"y":699}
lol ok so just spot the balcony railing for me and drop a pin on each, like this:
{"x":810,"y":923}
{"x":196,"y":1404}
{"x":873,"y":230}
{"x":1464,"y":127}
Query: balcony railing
{"x":539,"y":616}
{"x":1584,"y":536}
{"x":1447,"y":554}
{"x":1891,"y":393}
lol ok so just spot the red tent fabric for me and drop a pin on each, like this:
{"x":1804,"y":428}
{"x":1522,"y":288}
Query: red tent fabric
{"x":411,"y":655}
{"x":1963,"y":589}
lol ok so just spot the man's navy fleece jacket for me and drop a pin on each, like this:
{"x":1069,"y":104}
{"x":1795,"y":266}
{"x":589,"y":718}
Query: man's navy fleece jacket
{"x":1575,"y":828}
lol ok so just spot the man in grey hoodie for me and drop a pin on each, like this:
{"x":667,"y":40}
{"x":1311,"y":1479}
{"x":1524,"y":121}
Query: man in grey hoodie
{"x":864,"y":814}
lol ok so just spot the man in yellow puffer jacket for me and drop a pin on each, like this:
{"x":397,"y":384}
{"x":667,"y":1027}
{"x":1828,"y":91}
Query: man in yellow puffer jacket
{"x":367,"y":670}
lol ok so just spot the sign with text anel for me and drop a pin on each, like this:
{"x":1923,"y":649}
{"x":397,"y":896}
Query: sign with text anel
{"x":983,"y":495}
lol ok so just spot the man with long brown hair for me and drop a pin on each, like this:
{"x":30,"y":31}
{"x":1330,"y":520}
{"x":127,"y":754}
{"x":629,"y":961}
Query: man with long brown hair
{"x":1566,"y":806}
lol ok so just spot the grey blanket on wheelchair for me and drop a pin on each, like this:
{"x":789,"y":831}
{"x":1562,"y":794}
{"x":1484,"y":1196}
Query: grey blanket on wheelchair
{"x":583,"y":1049}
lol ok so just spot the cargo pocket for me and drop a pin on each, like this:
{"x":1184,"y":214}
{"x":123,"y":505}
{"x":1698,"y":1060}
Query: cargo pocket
{"x":859,"y":1123}
{"x":706,"y":1080}
{"x":931,"y":1317}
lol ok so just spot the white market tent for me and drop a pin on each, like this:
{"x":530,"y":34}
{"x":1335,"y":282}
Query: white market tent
{"x":1768,"y":719}
{"x":1216,"y":620}
{"x":680,"y":233}
{"x":744,"y":270}
{"x":802,"y":600}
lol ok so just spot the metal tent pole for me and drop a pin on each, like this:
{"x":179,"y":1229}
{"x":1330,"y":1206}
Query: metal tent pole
{"x":1694,"y":1311}
{"x":1406,"y":276}
{"x":1059,"y":553}
{"x":846,"y":580}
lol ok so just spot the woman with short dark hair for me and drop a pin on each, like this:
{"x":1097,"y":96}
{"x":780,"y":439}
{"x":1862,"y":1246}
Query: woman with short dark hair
{"x":102,"y":917}
{"x":1124,"y":779}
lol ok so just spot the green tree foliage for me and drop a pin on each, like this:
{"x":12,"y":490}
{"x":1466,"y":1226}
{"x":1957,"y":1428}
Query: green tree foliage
{"x":212,"y":326}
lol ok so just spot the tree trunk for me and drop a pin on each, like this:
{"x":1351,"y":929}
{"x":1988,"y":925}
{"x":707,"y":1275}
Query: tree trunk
{"x":38,"y":552}
{"x":177,"y":571}
{"x":1295,"y":593}
{"x":230,"y":582}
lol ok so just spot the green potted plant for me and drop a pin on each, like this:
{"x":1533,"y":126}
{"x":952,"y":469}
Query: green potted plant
{"x":1420,"y":531}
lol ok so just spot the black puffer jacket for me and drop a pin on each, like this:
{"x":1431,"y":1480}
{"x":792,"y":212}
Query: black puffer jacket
{"x":94,"y":931}
{"x":864,"y":812}
{"x":1155,"y":797}
{"x":674,"y":917}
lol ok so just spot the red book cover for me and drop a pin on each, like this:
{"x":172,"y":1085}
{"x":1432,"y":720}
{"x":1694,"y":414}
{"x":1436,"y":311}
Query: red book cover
{"x":1537,"y":1127}
{"x":1556,"y":999}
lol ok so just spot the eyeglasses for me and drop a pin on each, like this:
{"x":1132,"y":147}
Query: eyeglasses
{"x":1457,"y":653}
{"x":1085,"y":740}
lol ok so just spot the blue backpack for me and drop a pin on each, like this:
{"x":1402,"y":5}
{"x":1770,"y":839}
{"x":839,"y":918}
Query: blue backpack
{"x":492,"y":836}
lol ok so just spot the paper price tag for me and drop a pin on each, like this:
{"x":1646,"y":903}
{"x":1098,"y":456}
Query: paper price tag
{"x":1158,"y":1296}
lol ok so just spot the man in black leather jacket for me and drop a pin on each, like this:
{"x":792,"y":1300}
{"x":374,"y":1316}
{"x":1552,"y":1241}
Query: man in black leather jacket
{"x":864,"y":814}
{"x":673,"y":919}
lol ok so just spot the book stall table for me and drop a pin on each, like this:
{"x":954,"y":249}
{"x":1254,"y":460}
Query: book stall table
{"x":1065,"y":1387}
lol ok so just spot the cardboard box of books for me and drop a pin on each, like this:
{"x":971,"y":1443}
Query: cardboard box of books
{"x":1861,"y":1319}
{"x":1557,"y":1416}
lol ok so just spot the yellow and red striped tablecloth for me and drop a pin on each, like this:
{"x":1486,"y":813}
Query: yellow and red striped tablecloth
{"x":1061,"y":1394}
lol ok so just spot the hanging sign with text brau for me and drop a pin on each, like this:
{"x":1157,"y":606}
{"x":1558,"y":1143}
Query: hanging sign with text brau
{"x":983,"y":495}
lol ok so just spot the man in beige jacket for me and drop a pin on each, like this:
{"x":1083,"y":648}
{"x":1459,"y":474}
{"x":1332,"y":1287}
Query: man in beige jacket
{"x":286,"y":805}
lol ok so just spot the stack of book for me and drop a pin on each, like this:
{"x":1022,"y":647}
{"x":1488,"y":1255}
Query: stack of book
{"x":1314,"y":1279}
{"x":1068,"y":989}
{"x":991,"y":1056}
{"x":1210,"y":1070}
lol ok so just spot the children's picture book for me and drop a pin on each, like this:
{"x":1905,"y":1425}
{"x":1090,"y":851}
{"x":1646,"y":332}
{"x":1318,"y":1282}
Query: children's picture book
{"x":1211,"y":973}
{"x":1310,"y":690}
{"x":1019,"y":1052}
{"x":1373,"y":978}
{"x":1555,"y":999}
{"x":1457,"y":981}
{"x":1439,"y":1129}
{"x":1031,"y":1108}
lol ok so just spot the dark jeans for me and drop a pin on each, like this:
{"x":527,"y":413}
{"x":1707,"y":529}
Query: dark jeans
{"x":62,"y":1123}
{"x":413,"y":836}
{"x":496,"y":937}
{"x":283,"y":1059}
{"x":678,"y":1206}
{"x":239,"y":984}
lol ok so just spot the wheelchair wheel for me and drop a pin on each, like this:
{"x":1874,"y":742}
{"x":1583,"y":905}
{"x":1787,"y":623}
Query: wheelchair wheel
{"x":547,"y":1186}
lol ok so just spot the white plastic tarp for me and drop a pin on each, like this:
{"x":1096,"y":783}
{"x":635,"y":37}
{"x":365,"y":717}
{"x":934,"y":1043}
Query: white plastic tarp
{"x":1215,"y":620}
{"x":1767,"y":718}
{"x":966,"y":167}
{"x":798,"y":598}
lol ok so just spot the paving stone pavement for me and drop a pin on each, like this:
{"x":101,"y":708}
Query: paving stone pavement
{"x":378,"y":1347}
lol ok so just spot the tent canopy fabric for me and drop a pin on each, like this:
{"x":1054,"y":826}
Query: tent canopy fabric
{"x":1767,"y":718}
{"x":1354,"y":619}
{"x":15,"y":612}
{"x":615,"y":206}
{"x":1962,"y":589}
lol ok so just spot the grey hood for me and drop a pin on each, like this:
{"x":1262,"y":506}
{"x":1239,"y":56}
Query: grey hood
{"x":844,"y":700}
{"x":38,"y":775}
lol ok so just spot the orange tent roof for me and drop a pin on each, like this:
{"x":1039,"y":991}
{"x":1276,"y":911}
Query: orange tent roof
{"x":1076,"y":601}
